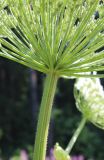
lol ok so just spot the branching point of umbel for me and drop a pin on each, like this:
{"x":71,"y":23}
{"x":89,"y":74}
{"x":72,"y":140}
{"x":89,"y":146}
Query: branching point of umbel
{"x":60,"y":36}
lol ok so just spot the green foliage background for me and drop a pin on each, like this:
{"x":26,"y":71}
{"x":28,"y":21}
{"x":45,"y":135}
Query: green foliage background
{"x":16,"y":123}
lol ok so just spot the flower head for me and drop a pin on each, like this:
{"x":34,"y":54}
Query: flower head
{"x":53,"y":35}
{"x":89,"y":95}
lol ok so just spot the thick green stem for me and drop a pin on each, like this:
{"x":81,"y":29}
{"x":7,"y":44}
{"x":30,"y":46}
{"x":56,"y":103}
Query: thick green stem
{"x":44,"y":117}
{"x":75,"y":136}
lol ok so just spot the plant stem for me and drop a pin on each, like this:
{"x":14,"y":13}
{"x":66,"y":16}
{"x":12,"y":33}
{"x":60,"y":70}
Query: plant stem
{"x":44,"y":117}
{"x":75,"y":136}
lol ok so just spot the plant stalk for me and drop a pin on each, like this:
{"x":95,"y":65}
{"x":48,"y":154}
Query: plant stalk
{"x":44,"y":117}
{"x":75,"y":136}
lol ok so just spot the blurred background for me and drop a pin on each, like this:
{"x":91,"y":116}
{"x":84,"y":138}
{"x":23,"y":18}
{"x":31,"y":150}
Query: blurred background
{"x":20,"y":96}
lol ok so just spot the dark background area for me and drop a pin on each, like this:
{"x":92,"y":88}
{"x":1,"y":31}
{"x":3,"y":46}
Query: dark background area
{"x":20,"y":96}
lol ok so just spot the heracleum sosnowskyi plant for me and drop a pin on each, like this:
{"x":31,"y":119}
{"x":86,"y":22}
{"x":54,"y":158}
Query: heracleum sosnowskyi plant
{"x":60,"y":38}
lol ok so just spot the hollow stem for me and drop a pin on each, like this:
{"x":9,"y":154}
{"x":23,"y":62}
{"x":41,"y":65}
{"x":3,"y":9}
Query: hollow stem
{"x":75,"y":136}
{"x":44,"y":117}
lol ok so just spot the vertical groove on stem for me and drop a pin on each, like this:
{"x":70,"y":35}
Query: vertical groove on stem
{"x":44,"y":117}
{"x":75,"y":136}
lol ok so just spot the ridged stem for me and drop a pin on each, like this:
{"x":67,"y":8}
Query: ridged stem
{"x":44,"y":117}
{"x":75,"y":136}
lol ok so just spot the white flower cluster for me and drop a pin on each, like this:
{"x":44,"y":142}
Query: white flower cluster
{"x":89,"y":95}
